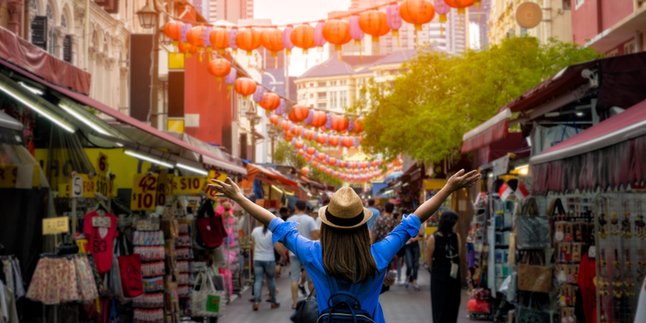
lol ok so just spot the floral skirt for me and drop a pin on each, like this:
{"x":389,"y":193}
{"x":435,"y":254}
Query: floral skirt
{"x":62,"y":280}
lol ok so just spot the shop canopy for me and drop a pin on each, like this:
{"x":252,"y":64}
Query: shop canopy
{"x":140,"y":134}
{"x":608,"y":154}
{"x":268,"y":174}
{"x":488,"y":132}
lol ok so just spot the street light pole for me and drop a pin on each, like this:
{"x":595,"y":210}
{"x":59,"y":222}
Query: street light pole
{"x":149,"y":18}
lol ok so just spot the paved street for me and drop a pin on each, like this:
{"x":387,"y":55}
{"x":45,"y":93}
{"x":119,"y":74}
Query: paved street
{"x":399,"y":305}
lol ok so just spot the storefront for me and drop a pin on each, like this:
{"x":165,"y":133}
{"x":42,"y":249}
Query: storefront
{"x":110,"y":207}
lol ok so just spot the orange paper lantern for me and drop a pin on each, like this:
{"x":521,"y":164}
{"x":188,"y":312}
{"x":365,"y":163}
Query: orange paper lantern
{"x":272,"y":40}
{"x":417,"y":12}
{"x":374,"y":23}
{"x":319,"y":119}
{"x":340,"y":123}
{"x":274,"y":119}
{"x":358,"y":125}
{"x":186,"y":48}
{"x":321,"y":139}
{"x":309,"y":134}
{"x":461,"y":5}
{"x":347,"y":142}
{"x":196,"y":36}
{"x":331,"y":161}
{"x":270,"y":101}
{"x":297,"y":131}
{"x":245,"y":86}
{"x":248,"y":39}
{"x":333,"y":140}
{"x":219,"y":38}
{"x":219,"y":67}
{"x":299,"y":144}
{"x":337,"y":32}
{"x":299,"y":113}
{"x":305,"y":171}
{"x":173,"y":30}
{"x":311,"y":150}
{"x":303,"y":37}
{"x":285,"y":125}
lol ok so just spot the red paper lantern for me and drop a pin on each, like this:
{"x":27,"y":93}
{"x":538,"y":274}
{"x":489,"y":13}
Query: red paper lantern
{"x":303,"y":37}
{"x":219,"y":38}
{"x":270,"y":101}
{"x":321,"y":139}
{"x":343,"y":164}
{"x":299,"y":144}
{"x":322,"y":157}
{"x":365,"y":165}
{"x":337,"y":32}
{"x":285,"y":125}
{"x":219,"y":67}
{"x":375,"y":163}
{"x":352,"y":165}
{"x":331,"y":161}
{"x":460,"y":4}
{"x":248,"y":39}
{"x":358,"y":125}
{"x":288,"y":137}
{"x":311,"y":150}
{"x":315,"y":163}
{"x":245,"y":86}
{"x":309,"y":134}
{"x":374,"y":23}
{"x":297,"y":131}
{"x":305,"y":171}
{"x":347,"y":142}
{"x":299,"y":113}
{"x":340,"y":123}
{"x":173,"y":30}
{"x":196,"y":36}
{"x":274,"y":119}
{"x":272,"y":40}
{"x":186,"y":48}
{"x":319,"y":119}
{"x":417,"y":12}
{"x":333,"y":140}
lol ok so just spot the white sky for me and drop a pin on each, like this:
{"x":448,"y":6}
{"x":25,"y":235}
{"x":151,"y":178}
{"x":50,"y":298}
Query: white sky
{"x":282,"y":12}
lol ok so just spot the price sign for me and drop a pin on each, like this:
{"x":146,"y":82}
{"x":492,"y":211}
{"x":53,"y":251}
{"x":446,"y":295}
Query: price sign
{"x":209,"y":190}
{"x":188,"y":185}
{"x":112,"y":189}
{"x":77,"y":186}
{"x":164,"y":189}
{"x":56,"y":225}
{"x":102,"y":185}
{"x":144,"y":192}
{"x":8,"y":176}
{"x":102,"y":165}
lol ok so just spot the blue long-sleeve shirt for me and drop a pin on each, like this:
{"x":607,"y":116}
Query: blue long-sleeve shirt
{"x":310,"y":254}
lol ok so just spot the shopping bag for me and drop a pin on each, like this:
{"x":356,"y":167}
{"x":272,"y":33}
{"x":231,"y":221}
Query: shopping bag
{"x":205,"y":300}
{"x":131,"y":277}
{"x":210,"y":231}
{"x":307,"y":310}
{"x":532,"y":230}
{"x":533,"y":275}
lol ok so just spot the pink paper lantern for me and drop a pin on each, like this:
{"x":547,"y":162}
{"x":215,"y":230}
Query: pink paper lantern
{"x":319,"y":40}
{"x":393,"y":18}
{"x":287,"y":39}
{"x":355,"y":30}
{"x":442,"y":9}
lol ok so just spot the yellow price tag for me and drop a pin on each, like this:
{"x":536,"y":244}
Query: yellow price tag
{"x":164,"y":188}
{"x":144,"y":192}
{"x":188,"y":185}
{"x":209,"y":190}
{"x":56,"y":225}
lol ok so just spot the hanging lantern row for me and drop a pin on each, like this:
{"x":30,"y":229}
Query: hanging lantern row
{"x":291,"y":130}
{"x":319,"y":119}
{"x":345,"y":175}
{"x":337,"y":31}
{"x":333,"y":161}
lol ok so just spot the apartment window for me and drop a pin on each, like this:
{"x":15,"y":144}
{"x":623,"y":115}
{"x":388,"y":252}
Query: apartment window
{"x":321,"y":84}
{"x":322,"y":106}
{"x":322,"y":95}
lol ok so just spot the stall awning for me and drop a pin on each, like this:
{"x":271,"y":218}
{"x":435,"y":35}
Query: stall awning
{"x":488,"y":132}
{"x":622,"y":127}
{"x":142,"y":133}
{"x":268,"y":173}
{"x":607,"y":155}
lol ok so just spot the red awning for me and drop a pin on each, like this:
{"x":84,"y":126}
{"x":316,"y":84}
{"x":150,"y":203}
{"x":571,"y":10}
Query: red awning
{"x":268,"y":173}
{"x":488,"y":132}
{"x":627,"y":125}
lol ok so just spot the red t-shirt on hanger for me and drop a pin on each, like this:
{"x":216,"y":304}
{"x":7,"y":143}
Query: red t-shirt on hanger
{"x":100,"y":240}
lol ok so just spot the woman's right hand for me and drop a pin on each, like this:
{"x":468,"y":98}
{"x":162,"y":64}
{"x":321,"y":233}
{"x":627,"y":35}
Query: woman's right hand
{"x":460,"y":179}
{"x":230,"y":189}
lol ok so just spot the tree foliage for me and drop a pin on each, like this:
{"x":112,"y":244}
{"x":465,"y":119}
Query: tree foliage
{"x":425,"y":112}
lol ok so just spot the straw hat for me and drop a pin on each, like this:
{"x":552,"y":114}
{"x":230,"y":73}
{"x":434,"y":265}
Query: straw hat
{"x":345,"y":210}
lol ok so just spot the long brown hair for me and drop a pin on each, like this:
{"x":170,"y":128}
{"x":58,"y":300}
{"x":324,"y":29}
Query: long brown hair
{"x":346,"y":253}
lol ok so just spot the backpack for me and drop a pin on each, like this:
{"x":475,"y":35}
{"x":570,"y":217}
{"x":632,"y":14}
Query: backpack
{"x":344,"y":307}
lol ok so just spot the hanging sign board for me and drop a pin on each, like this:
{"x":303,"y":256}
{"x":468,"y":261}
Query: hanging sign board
{"x":164,"y":189}
{"x":144,"y":192}
{"x":501,"y":166}
{"x":188,"y":185}
{"x":56,"y":225}
{"x":102,"y":177}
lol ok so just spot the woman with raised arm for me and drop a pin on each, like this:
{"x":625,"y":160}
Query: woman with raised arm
{"x":344,"y":259}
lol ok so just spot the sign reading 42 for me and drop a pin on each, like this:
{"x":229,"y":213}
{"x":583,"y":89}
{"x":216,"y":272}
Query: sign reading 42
{"x":144,"y":192}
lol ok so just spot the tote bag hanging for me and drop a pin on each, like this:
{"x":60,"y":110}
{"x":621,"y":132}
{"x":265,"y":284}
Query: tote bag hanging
{"x":205,"y":300}
{"x":130,"y":271}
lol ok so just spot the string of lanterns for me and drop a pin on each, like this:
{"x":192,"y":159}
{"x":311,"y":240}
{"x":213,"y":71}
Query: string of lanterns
{"x":357,"y":172}
{"x":291,"y":131}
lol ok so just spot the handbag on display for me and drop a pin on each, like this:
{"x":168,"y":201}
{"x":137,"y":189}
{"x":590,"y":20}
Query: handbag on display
{"x":130,"y":271}
{"x":206,"y":301}
{"x":307,"y":310}
{"x":533,"y":230}
{"x":533,"y":275}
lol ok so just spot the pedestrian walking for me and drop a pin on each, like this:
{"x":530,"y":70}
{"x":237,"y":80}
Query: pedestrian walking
{"x":443,"y":259}
{"x":375,"y":214}
{"x":344,"y":260}
{"x":411,"y":256}
{"x":306,"y":226}
{"x":264,"y":264}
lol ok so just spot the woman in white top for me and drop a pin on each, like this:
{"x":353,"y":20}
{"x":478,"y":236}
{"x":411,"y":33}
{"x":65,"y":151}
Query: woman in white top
{"x":264,"y":263}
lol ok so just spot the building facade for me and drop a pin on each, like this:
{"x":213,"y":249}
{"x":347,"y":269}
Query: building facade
{"x":556,"y":22}
{"x":612,"y":27}
{"x":229,"y":10}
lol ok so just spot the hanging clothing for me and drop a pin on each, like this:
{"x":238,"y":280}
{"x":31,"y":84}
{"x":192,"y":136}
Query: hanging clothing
{"x":445,"y":290}
{"x":100,"y":240}
{"x":19,"y":284}
{"x":587,"y":274}
{"x":8,"y":310}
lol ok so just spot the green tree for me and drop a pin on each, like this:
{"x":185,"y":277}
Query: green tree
{"x":425,"y":112}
